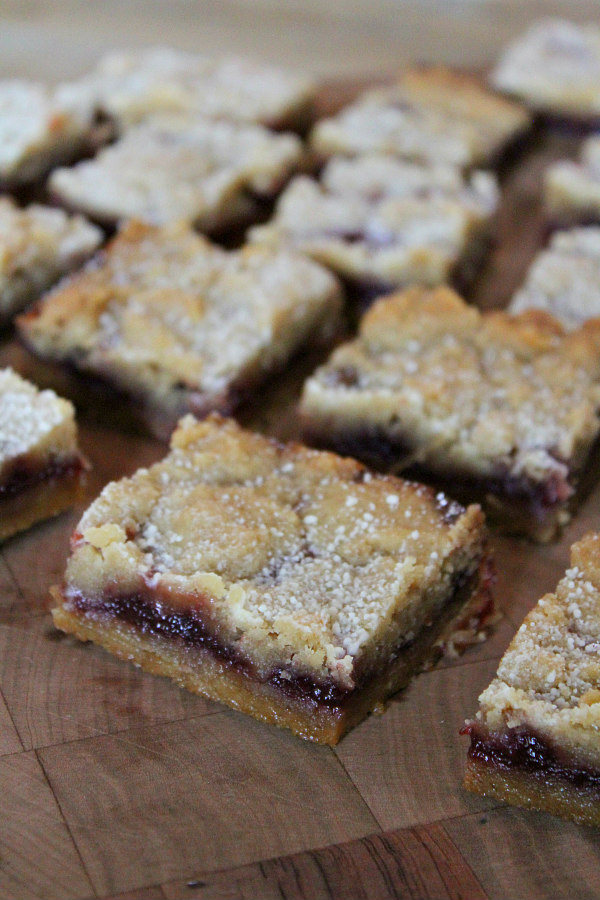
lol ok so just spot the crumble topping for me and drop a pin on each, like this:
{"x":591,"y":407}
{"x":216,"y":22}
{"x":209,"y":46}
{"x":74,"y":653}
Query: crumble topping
{"x":292,"y":555}
{"x":130,"y":86}
{"x":166,"y":315}
{"x":572,"y":189}
{"x":485,"y":394}
{"x":378,"y":217}
{"x":33,"y":422}
{"x":432,"y":115}
{"x":37,"y":245}
{"x":39,"y":126}
{"x":549,"y":678}
{"x":565,"y":278}
{"x":173,"y":168}
{"x":554,"y":66}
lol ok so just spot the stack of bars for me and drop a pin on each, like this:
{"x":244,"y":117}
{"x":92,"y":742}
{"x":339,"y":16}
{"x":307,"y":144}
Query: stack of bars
{"x":283,"y":579}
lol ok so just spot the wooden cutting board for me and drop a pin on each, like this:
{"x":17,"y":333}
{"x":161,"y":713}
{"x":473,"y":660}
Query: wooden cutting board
{"x":115,"y":783}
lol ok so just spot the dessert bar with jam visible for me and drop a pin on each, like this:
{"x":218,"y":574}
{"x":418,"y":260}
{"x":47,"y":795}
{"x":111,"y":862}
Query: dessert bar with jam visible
{"x":496,"y":407}
{"x":382,"y":223}
{"x":41,"y":468}
{"x":177,"y":324}
{"x":431,"y":114}
{"x":215,"y":174}
{"x":38,"y":244}
{"x":288,"y":583}
{"x":534,"y":741}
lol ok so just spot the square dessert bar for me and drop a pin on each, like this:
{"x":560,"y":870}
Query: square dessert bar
{"x":534,"y":741}
{"x":572,"y":189}
{"x":382,"y":223}
{"x":213,"y":174}
{"x":564,"y":279}
{"x":41,"y":469}
{"x":502,"y":408}
{"x":431,"y":114}
{"x":38,"y":245}
{"x":555,"y":68}
{"x":176,"y":324}
{"x":40,"y":127}
{"x":288,"y":583}
{"x":131,"y":86}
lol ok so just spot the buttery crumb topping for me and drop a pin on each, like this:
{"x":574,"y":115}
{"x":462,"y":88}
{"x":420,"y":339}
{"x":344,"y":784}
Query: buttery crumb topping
{"x":554,"y":66}
{"x":549,"y":678}
{"x":384,"y":218}
{"x":486,"y":394}
{"x":290,"y":555}
{"x":179,"y":168}
{"x":433,"y":115}
{"x":32,"y":422}
{"x":565,"y":278}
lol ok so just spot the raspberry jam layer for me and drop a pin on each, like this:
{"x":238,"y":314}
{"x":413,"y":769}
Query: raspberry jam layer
{"x":523,"y":750}
{"x":27,"y":472}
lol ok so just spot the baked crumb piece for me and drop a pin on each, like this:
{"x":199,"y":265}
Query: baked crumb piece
{"x":41,"y":469}
{"x":131,"y":86}
{"x":40,"y":127}
{"x":499,"y":407}
{"x":177,"y":324}
{"x":384,"y":223}
{"x":291,"y":584}
{"x":534,"y":741}
{"x":564,"y":279}
{"x":555,"y":68}
{"x":38,"y":244}
{"x":210,"y":173}
{"x":431,"y":115}
{"x":572,"y":189}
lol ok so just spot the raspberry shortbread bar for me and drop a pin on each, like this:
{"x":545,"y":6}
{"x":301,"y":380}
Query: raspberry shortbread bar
{"x":177,"y":324}
{"x":382,"y":223}
{"x":213,"y":174}
{"x":564,"y":279}
{"x":502,"y":408}
{"x":40,"y":127}
{"x":41,"y":469}
{"x":534,"y":742}
{"x":432,"y":115}
{"x":38,"y":244}
{"x":290,"y":584}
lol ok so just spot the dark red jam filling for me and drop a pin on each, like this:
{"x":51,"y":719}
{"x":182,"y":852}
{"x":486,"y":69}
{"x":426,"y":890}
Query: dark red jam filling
{"x":26,"y":473}
{"x":378,"y":449}
{"x":528,"y":752}
{"x":152,"y":617}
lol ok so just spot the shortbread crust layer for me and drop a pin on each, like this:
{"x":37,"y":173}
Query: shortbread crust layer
{"x":296,"y":586}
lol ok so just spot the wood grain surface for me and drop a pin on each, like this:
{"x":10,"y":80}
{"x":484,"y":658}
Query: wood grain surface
{"x":115,"y":783}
